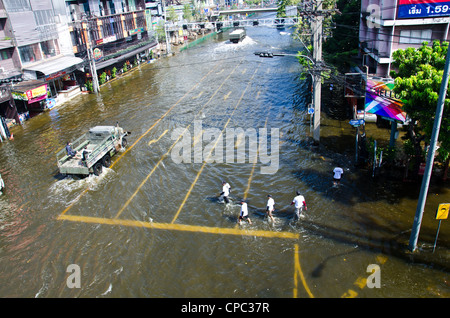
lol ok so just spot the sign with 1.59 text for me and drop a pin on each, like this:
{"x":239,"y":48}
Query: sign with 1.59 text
{"x":408,"y":9}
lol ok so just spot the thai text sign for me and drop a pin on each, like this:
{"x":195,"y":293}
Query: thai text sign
{"x":32,"y":95}
{"x":408,"y":9}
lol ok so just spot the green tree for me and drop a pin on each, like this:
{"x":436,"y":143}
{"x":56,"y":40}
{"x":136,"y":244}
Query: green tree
{"x":418,"y":78}
{"x":171,"y":14}
{"x":342,"y":44}
{"x":187,"y":12}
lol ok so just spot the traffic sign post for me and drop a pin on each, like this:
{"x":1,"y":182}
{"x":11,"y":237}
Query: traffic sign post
{"x":441,"y":214}
{"x":356,"y":123}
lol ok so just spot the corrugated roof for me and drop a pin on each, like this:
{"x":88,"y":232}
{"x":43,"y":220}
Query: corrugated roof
{"x":54,"y":65}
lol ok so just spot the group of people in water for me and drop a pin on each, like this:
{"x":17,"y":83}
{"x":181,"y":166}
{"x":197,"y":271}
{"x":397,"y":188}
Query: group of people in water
{"x":299,"y":201}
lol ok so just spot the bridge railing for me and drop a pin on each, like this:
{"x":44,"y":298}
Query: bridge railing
{"x":268,"y":22}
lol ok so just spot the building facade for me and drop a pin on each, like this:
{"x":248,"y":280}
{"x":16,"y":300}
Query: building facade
{"x":111,"y":32}
{"x":37,"y":58}
{"x":389,"y":25}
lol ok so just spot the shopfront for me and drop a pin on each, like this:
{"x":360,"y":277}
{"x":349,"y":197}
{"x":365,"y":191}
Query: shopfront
{"x":59,"y":75}
{"x":29,"y":97}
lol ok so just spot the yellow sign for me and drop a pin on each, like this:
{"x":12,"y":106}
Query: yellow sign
{"x":39,"y":91}
{"x":442,"y":211}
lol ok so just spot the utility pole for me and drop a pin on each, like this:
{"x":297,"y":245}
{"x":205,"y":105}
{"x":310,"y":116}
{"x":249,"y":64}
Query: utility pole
{"x":430,"y":160}
{"x":93,"y":69}
{"x":313,"y":10}
{"x":317,"y":27}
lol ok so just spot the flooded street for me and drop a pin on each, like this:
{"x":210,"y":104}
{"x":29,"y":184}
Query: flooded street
{"x":151,"y":224}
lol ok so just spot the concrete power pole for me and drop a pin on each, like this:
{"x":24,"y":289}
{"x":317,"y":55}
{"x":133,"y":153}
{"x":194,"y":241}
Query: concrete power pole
{"x":313,"y":10}
{"x":93,"y":69}
{"x":317,"y":26}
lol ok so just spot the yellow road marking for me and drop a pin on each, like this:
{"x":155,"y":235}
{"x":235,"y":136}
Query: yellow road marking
{"x":198,"y":138}
{"x":298,"y":272}
{"x":249,"y":182}
{"x":199,"y":95}
{"x":244,"y":71}
{"x":142,"y":136}
{"x":179,"y":227}
{"x":227,"y":96}
{"x":156,"y":140}
{"x":212,"y":149}
{"x":168,"y":151}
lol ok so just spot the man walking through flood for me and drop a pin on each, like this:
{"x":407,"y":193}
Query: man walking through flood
{"x":243,"y":215}
{"x":337,"y":174}
{"x":225,"y":191}
{"x":299,"y":202}
{"x":270,"y":207}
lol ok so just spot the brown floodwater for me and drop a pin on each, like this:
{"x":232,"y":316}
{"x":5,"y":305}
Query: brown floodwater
{"x":151,"y":225}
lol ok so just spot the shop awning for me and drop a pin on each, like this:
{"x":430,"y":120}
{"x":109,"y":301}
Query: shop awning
{"x":56,"y":67}
{"x":102,"y":64}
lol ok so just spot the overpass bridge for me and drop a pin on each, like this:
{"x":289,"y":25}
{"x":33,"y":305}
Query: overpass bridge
{"x":217,"y":25}
{"x":291,"y":12}
{"x":244,"y":10}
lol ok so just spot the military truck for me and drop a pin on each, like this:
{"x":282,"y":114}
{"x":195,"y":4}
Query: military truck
{"x":237,"y":35}
{"x":93,"y":151}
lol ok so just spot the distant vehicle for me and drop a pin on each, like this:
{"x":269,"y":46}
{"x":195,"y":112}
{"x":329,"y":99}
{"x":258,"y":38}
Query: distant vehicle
{"x":2,"y":184}
{"x":237,"y":35}
{"x":101,"y":142}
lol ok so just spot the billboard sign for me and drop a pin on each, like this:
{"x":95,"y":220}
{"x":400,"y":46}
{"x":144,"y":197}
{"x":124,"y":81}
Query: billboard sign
{"x":381,"y":102}
{"x":408,"y":9}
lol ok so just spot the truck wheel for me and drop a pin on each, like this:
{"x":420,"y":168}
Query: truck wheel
{"x":106,"y":161}
{"x":98,"y":169}
{"x":124,"y":142}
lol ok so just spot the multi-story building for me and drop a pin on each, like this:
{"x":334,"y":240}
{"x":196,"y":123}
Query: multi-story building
{"x":388,"y":25}
{"x":37,"y":57}
{"x":116,"y":31}
{"x":44,"y":46}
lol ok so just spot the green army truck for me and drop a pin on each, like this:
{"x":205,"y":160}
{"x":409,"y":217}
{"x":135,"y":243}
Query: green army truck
{"x":93,"y":151}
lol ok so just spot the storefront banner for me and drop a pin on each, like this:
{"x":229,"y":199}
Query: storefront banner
{"x":31,"y":95}
{"x":408,"y":9}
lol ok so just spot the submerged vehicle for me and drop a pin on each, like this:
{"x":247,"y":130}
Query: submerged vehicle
{"x":237,"y":35}
{"x":92,"y":151}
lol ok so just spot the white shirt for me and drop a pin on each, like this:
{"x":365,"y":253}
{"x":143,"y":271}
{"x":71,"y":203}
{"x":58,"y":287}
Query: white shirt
{"x":298,"y":200}
{"x":338,"y":172}
{"x":270,"y":203}
{"x":244,"y":210}
{"x":226,"y":189}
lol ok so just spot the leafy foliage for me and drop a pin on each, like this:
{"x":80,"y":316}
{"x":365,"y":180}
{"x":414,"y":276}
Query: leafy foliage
{"x":418,"y":80}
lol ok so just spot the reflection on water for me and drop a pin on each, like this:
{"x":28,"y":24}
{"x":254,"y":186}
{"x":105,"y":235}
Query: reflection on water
{"x":346,"y":228}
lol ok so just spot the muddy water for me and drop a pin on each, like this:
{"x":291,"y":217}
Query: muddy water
{"x":151,"y":225}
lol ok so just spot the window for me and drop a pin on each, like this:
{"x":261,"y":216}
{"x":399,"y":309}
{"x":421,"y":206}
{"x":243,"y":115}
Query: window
{"x":50,"y":48}
{"x":415,"y":36}
{"x":17,"y":5}
{"x":4,"y":55}
{"x":30,"y":53}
